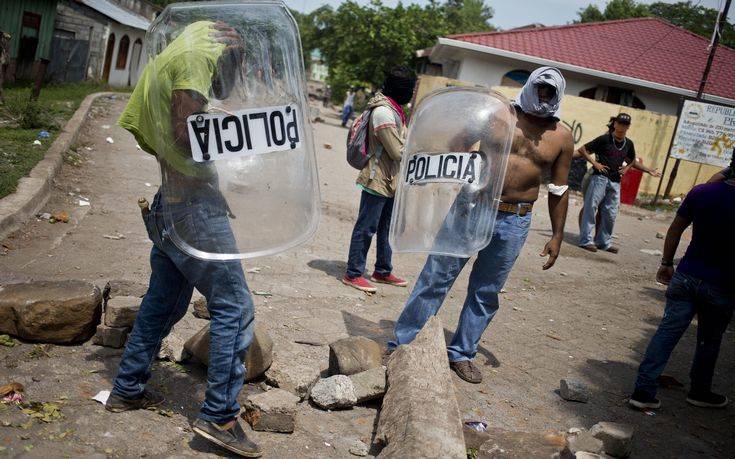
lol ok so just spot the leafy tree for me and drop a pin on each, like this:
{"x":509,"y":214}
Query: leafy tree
{"x":591,"y":13}
{"x":695,"y":18}
{"x":468,"y":16}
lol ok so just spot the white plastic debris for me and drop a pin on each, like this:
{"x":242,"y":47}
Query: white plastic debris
{"x":109,"y":140}
{"x":148,"y":184}
{"x":138,"y":146}
{"x":652,"y":251}
{"x":102,"y":396}
{"x":105,"y":126}
{"x":83,"y":203}
{"x":36,"y":142}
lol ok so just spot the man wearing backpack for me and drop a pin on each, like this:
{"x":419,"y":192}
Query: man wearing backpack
{"x":377,"y":180}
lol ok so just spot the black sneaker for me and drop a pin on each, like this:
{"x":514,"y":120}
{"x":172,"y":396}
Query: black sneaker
{"x":643,"y":401}
{"x":148,"y":399}
{"x":707,"y":400}
{"x":233,"y":439}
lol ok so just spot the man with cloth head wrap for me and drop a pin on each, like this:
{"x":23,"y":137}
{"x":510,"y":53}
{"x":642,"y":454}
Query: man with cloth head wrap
{"x":540,"y":143}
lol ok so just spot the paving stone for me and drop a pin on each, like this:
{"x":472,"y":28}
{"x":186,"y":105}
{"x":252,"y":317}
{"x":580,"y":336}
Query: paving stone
{"x":293,"y":376}
{"x":110,"y":336}
{"x":59,"y":312}
{"x":334,"y":392}
{"x":370,"y":384}
{"x":258,"y":357}
{"x":271,"y":411}
{"x":121,"y":311}
{"x":123,"y":287}
{"x":582,"y":442}
{"x":574,"y":390}
{"x":616,"y":437}
{"x":353,"y":355}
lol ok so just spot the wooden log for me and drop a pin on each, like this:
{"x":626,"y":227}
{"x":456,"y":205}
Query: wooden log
{"x":420,"y":417}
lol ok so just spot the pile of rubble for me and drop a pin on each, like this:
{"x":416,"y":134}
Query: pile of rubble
{"x":419,"y":414}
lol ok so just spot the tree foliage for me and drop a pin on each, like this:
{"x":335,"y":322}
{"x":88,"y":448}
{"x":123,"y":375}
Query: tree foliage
{"x":695,"y":18}
{"x":361,"y":43}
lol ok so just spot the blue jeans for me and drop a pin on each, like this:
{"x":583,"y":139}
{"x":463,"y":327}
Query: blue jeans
{"x":685,"y":297}
{"x":604,"y":194}
{"x":373,"y":217}
{"x":346,"y":113}
{"x":174,"y":276}
{"x":489,"y":273}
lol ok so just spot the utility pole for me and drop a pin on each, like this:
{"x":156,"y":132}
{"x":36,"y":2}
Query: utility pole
{"x":719,"y":26}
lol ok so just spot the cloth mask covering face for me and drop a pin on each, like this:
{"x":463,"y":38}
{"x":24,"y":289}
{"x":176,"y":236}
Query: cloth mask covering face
{"x":528,"y":98}
{"x":399,"y":89}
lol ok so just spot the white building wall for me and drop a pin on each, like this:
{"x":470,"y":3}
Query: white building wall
{"x":119,"y":77}
{"x":488,"y":70}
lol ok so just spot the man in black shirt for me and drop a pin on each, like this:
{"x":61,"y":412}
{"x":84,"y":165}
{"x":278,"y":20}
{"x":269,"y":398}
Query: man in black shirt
{"x":603,"y":191}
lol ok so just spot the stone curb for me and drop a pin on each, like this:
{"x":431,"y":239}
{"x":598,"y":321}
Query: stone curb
{"x":34,"y":190}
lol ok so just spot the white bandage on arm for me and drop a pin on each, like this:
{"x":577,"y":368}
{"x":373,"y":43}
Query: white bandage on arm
{"x":558,"y":190}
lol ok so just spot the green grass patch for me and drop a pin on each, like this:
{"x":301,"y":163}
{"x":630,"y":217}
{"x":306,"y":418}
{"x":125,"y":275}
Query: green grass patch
{"x":21,"y":121}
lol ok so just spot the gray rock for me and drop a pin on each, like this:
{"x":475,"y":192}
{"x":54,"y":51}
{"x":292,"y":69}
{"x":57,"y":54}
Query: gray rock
{"x":370,"y":384}
{"x":121,"y":311}
{"x":110,"y":336}
{"x":359,"y":448}
{"x":272,"y":411}
{"x":123,"y":287}
{"x":172,"y":347}
{"x":58,"y":312}
{"x":353,"y":355}
{"x":574,"y":390}
{"x":334,"y":392}
{"x":582,"y":442}
{"x":617,"y":438}
{"x":258,"y":358}
{"x":293,"y":376}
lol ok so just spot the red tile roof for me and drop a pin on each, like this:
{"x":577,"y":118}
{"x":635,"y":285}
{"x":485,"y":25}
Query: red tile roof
{"x":649,"y":49}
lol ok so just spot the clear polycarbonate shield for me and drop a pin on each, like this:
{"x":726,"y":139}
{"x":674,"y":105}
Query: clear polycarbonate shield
{"x":226,"y":93}
{"x":452,"y":172}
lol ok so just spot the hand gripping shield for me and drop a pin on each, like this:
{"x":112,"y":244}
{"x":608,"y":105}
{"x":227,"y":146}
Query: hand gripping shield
{"x":225,"y":91}
{"x":452,"y":172}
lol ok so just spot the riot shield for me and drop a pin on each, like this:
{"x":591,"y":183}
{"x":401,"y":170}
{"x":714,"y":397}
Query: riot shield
{"x":452,"y":172}
{"x":226,"y":96}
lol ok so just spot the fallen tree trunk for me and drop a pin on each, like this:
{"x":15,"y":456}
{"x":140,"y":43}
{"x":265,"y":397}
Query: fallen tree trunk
{"x":420,"y":417}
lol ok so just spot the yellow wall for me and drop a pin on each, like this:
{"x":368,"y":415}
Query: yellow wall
{"x":588,"y":118}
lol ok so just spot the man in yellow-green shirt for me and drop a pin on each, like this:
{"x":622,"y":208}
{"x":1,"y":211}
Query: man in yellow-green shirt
{"x":204,"y":60}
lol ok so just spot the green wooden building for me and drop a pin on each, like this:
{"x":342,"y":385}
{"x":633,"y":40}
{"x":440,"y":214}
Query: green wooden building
{"x":31,"y":26}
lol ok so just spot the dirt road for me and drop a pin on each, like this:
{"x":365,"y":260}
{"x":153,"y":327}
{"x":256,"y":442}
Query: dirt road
{"x":589,"y":317}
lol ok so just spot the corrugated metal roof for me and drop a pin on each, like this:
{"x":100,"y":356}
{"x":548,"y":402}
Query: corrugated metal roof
{"x":117,"y":13}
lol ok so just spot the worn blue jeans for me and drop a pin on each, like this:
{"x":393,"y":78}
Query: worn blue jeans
{"x":685,"y":297}
{"x":373,"y":217}
{"x":604,"y":194}
{"x":174,"y":276}
{"x":346,"y":114}
{"x":489,"y":273}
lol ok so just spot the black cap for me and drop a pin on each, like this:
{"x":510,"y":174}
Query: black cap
{"x":622,"y":118}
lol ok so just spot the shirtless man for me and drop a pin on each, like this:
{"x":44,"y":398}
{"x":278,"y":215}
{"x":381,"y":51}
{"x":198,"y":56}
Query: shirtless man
{"x":540,"y":142}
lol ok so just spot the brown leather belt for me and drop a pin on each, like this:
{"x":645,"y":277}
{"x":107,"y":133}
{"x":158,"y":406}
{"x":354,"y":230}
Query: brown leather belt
{"x":520,"y":208}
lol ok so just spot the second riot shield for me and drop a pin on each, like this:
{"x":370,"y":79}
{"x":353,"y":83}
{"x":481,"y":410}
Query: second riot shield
{"x":452,"y":172}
